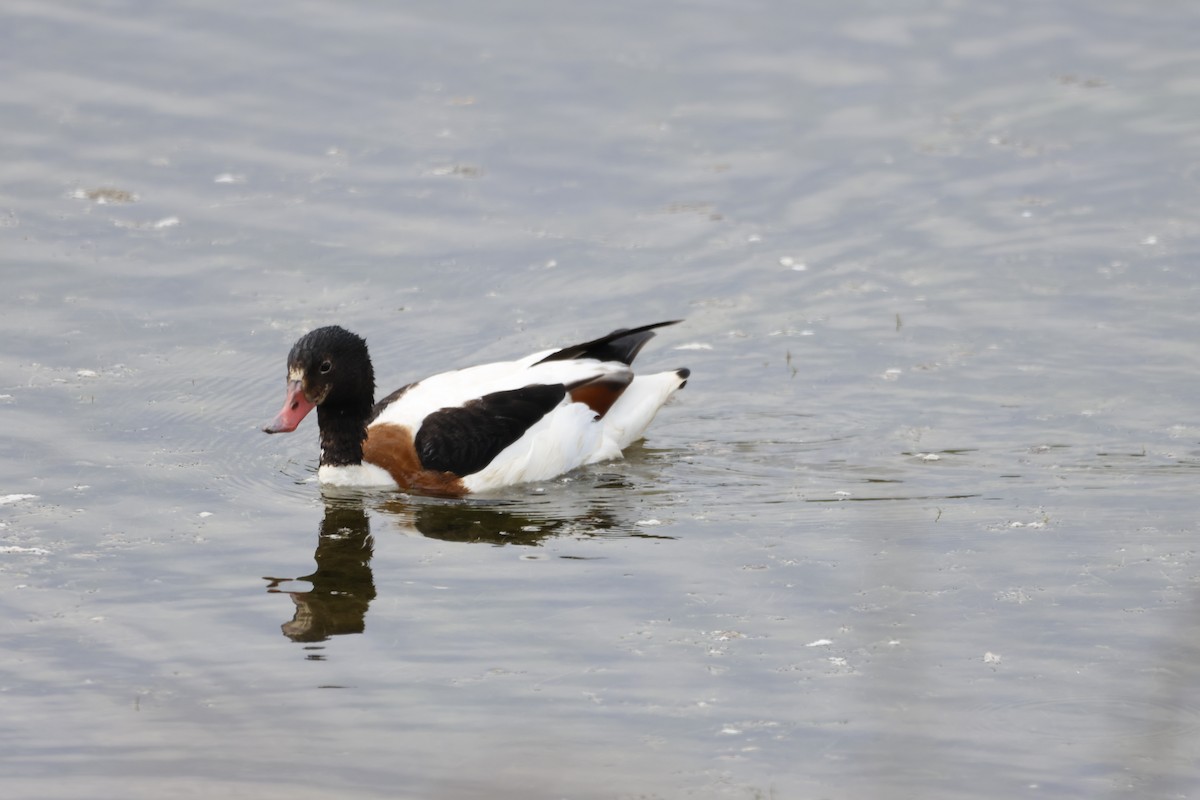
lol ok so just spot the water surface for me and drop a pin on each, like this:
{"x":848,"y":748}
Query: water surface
{"x":921,"y":525}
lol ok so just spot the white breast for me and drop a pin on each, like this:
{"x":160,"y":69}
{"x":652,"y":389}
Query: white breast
{"x":363,"y":475}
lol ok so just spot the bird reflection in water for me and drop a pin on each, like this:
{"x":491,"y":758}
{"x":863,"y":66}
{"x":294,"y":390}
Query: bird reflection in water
{"x":343,"y":585}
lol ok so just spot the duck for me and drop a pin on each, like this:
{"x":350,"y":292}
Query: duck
{"x":475,"y":429}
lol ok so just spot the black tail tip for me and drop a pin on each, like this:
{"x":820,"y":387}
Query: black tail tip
{"x":684,"y":373}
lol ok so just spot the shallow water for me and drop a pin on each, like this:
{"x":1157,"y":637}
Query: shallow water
{"x":921,"y":525}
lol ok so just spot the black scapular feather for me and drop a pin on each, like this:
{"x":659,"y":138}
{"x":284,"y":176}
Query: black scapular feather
{"x":465,"y":439}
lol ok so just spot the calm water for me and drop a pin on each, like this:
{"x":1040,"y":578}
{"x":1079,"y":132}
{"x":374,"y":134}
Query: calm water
{"x":922,"y":525}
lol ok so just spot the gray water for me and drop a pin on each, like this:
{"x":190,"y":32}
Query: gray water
{"x":922,"y":525}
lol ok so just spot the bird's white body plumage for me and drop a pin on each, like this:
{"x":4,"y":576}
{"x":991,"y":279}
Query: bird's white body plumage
{"x":569,"y":436}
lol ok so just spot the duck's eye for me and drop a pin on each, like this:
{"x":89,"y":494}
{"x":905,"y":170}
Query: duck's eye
{"x":326,"y":366}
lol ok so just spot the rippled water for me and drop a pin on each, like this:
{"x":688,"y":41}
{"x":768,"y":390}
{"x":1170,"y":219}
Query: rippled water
{"x":921,"y":525}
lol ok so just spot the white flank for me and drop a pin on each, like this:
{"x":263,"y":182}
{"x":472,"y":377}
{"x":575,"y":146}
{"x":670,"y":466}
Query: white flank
{"x":564,"y":439}
{"x":570,"y":436}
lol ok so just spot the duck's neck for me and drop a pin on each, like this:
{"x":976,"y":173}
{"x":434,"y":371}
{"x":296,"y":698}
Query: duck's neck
{"x":343,"y":429}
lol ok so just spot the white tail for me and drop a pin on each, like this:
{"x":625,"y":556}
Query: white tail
{"x":634,"y":410}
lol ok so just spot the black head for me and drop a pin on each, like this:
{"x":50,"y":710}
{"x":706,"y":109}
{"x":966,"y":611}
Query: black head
{"x":333,"y":367}
{"x":328,"y":369}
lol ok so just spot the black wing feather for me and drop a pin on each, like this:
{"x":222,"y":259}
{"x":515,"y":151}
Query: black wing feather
{"x":621,"y":345}
{"x":465,"y":439}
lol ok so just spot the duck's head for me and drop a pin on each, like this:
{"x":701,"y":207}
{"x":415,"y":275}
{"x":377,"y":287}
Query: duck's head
{"x":328,"y":367}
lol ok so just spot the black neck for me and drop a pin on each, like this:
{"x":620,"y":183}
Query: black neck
{"x":343,"y":429}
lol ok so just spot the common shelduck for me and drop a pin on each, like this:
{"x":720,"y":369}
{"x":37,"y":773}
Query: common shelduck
{"x":474,"y":429}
